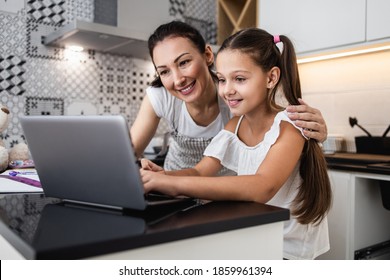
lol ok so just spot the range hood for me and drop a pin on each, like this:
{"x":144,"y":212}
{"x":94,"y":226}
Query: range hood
{"x":101,"y":38}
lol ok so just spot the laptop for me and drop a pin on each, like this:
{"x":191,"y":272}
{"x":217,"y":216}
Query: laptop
{"x":88,"y":160}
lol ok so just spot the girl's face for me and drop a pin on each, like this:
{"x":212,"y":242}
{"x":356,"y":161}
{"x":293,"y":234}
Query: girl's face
{"x":241,"y":83}
{"x":183,"y":69}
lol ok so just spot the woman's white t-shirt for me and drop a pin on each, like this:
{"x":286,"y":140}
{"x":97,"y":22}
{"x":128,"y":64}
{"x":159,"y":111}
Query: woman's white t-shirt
{"x":175,"y":112}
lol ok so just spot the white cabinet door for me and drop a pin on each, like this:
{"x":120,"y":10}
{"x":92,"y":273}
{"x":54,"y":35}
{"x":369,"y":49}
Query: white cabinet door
{"x":315,"y":25}
{"x":357,"y":218}
{"x":378,"y":19}
{"x":339,"y":216}
{"x":371,"y":221}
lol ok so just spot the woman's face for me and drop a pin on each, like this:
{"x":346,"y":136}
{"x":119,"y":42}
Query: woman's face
{"x":183,"y":70}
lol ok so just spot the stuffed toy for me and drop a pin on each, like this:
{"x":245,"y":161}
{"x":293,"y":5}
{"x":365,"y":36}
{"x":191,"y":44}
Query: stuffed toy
{"x":17,"y":152}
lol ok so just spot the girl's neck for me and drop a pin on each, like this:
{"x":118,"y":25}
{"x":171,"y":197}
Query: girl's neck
{"x":255,"y":125}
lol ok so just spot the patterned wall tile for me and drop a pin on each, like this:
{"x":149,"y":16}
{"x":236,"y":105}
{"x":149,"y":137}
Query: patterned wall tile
{"x":81,"y":10}
{"x":140,"y":79}
{"x":12,"y":74}
{"x":12,"y":6}
{"x":35,"y":31}
{"x":118,"y":85}
{"x":37,"y":106}
{"x":80,"y":78}
{"x":199,"y":9}
{"x":200,"y":25}
{"x":177,"y":9}
{"x":12,"y":135}
{"x":202,"y":15}
{"x":45,"y":77}
{"x":13,"y":33}
{"x":47,"y":11}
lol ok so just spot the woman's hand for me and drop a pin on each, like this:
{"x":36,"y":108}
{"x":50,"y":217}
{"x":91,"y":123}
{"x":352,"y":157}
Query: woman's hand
{"x":310,"y":119}
{"x":149,"y":165}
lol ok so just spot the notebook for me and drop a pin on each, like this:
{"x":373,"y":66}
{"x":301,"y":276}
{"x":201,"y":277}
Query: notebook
{"x":88,"y":160}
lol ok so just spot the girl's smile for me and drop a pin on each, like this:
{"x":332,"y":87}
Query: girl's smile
{"x":233,"y":102}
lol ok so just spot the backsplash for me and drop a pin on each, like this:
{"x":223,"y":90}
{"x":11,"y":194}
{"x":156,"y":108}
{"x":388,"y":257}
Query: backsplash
{"x":35,"y":79}
{"x":356,"y":86}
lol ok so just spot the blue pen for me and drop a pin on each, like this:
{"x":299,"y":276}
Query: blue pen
{"x":16,"y":173}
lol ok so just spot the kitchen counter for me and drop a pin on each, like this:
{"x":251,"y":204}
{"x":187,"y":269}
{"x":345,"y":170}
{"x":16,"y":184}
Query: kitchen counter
{"x":366,"y":163}
{"x":37,"y":227}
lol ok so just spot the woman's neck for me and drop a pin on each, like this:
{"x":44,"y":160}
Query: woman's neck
{"x":205,"y":110}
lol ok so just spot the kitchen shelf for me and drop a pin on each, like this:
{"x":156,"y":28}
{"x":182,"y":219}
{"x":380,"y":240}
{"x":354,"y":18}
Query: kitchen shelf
{"x":234,"y":15}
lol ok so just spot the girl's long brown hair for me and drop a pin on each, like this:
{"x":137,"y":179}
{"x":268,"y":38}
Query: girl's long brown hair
{"x":314,"y":196}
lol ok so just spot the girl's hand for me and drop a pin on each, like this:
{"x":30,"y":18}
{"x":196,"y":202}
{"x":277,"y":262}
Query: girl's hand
{"x":157,"y":181}
{"x":310,"y":119}
{"x":153,"y":177}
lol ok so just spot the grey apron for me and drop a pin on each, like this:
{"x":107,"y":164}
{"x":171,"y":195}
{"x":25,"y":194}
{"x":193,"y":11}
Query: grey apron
{"x":186,"y":152}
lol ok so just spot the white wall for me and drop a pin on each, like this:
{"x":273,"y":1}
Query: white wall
{"x":357,"y":86}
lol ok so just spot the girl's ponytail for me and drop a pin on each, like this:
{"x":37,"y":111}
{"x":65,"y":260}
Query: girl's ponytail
{"x":314,"y":195}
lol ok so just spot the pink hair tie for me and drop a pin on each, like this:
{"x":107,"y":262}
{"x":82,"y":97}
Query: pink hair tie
{"x":276,"y":39}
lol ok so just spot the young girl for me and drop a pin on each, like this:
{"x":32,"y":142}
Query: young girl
{"x":276,"y":164}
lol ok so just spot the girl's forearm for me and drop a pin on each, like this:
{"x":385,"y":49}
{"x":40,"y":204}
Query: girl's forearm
{"x":243,"y":188}
{"x":183,"y":172}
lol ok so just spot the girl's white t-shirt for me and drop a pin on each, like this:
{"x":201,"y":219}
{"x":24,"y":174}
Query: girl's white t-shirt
{"x":300,"y":241}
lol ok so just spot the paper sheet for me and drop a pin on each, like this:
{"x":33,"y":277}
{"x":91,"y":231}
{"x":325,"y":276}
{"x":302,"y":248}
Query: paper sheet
{"x":11,"y":186}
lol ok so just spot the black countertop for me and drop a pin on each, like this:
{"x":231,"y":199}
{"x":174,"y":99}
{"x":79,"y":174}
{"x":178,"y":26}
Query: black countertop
{"x":46,"y":228}
{"x":367,"y":163}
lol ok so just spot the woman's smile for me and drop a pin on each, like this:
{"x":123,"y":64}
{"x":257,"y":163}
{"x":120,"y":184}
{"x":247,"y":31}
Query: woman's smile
{"x":188,"y":89}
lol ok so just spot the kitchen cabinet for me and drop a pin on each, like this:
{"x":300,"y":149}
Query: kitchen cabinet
{"x":378,"y":20}
{"x":315,"y":25}
{"x":357,"y":218}
{"x":235,"y":15}
{"x":143,"y":15}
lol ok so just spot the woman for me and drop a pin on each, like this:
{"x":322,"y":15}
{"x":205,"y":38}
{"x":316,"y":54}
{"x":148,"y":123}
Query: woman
{"x":184,"y":93}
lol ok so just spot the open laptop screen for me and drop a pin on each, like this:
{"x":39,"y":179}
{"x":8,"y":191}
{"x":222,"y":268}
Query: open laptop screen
{"x":85,"y":158}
